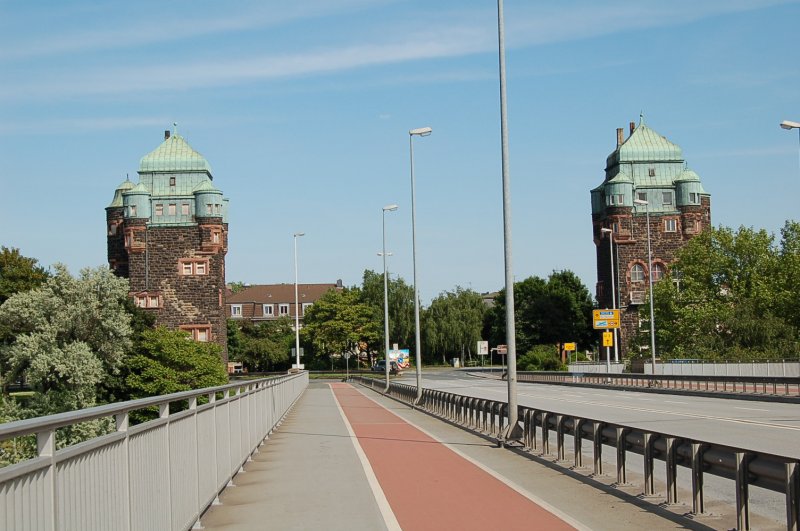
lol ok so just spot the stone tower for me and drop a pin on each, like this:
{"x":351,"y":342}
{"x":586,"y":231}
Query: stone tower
{"x":644,"y":167}
{"x":168,"y":234}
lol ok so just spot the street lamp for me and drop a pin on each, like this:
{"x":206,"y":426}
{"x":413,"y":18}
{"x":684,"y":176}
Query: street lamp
{"x":613,"y":290}
{"x":384,"y":254}
{"x":650,"y":284}
{"x":513,"y":430}
{"x":789,"y":125}
{"x":296,"y":305}
{"x":422,"y":131}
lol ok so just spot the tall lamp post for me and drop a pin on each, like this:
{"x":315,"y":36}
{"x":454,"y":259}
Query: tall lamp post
{"x":789,"y":125}
{"x":513,"y":430}
{"x":650,"y":285}
{"x":296,"y":304}
{"x":613,"y":287}
{"x":384,"y":254}
{"x":422,"y":131}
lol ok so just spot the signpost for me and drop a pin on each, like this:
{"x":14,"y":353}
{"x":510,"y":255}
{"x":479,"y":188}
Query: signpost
{"x":605,"y":320}
{"x":571,"y":347}
{"x":483,"y":350}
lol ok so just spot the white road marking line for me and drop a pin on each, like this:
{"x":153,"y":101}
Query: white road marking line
{"x":673,"y":402}
{"x":380,"y":497}
{"x":750,"y":408}
{"x":664,"y":412}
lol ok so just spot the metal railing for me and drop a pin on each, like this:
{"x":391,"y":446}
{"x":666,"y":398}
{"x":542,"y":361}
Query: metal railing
{"x":759,"y":385}
{"x":161,"y":474}
{"x":745,"y":467}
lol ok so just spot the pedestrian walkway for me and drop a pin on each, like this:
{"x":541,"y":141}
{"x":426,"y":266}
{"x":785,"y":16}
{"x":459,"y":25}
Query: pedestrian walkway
{"x":348,"y":458}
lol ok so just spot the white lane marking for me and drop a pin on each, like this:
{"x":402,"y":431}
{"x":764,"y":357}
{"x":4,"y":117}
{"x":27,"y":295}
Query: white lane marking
{"x":380,"y":497}
{"x":664,"y":412}
{"x":673,"y":402}
{"x":521,"y":490}
{"x":750,"y":408}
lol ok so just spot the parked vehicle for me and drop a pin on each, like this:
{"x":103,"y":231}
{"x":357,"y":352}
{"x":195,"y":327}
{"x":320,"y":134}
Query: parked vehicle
{"x":380,"y":366}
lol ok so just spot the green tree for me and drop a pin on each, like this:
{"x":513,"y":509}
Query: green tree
{"x":732,"y":297}
{"x":264,"y":346}
{"x":401,"y":306}
{"x":453,"y":323}
{"x":337,"y":323}
{"x":551,"y":311}
{"x":168,"y":361}
{"x":18,"y":273}
{"x":70,"y":340}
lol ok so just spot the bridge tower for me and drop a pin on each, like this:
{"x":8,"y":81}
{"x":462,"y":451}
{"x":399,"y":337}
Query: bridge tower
{"x":645,"y":166}
{"x":168,"y":234}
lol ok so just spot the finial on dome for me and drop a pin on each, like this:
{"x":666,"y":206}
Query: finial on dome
{"x":641,"y":117}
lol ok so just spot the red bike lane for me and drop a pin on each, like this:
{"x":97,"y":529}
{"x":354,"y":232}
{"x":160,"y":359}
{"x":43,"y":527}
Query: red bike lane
{"x":428,"y":485}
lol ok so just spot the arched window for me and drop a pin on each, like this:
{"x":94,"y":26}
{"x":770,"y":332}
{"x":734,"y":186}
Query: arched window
{"x":658,"y":272}
{"x":637,"y":273}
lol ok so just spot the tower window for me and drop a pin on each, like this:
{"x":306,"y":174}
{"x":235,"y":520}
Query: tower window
{"x":172,"y":181}
{"x":159,"y":210}
{"x":188,"y":267}
{"x":666,"y":198}
{"x":185,"y":209}
{"x":132,"y":211}
{"x":658,"y":272}
{"x":670,"y":225}
{"x":215,"y":236}
{"x":651,"y":172}
{"x":209,"y":208}
{"x":641,"y":196}
{"x":694,"y":198}
{"x":200,"y":333}
{"x":637,"y":273}
{"x":172,"y":209}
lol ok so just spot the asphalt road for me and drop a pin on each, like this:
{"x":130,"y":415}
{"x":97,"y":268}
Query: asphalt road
{"x":761,"y":426}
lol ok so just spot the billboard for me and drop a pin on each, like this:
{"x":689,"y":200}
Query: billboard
{"x":400,"y":356}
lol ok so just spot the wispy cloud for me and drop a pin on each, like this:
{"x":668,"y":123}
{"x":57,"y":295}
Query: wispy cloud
{"x":465,"y":32}
{"x":80,"y":124}
{"x":176,"y":27}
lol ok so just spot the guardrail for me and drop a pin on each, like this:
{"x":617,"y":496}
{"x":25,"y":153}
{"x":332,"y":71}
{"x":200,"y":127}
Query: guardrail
{"x":744,"y":467}
{"x":760,"y":385}
{"x":161,"y":474}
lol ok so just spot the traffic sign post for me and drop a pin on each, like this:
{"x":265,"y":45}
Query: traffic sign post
{"x":571,"y":347}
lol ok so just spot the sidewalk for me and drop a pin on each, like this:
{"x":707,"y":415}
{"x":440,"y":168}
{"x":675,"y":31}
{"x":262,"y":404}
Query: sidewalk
{"x":348,"y":458}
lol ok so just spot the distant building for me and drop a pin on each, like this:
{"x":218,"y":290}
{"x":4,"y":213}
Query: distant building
{"x":168,"y":235}
{"x":265,"y":302}
{"x":489,"y":297}
{"x":645,"y":166}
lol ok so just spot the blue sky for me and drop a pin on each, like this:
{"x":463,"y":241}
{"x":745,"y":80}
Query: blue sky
{"x":303,"y":111}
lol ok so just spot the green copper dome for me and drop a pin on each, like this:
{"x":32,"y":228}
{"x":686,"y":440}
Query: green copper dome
{"x":174,"y":155}
{"x":644,"y":144}
{"x":124,"y":187}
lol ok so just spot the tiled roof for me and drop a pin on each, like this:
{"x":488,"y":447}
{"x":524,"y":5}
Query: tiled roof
{"x":276,"y":293}
{"x":174,"y":154}
{"x":645,"y":145}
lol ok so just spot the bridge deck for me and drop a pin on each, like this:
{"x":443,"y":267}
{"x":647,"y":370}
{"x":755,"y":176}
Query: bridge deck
{"x":347,"y":458}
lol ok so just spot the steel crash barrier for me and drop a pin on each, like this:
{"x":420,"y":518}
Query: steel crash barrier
{"x":160,"y":474}
{"x":761,"y":385}
{"x":745,"y":467}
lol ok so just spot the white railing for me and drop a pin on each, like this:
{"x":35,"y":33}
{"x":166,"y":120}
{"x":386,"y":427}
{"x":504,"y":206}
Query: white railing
{"x":161,"y":474}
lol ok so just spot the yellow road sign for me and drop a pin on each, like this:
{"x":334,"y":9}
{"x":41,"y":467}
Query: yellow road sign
{"x":608,"y":339}
{"x":569,"y":346}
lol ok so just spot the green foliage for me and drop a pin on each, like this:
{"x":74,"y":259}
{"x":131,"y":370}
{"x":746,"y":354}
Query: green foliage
{"x":337,"y":323}
{"x":541,"y":358}
{"x":401,"y":306}
{"x":70,"y":337}
{"x":552,"y":311}
{"x":236,"y":287}
{"x":18,"y":273}
{"x":453,"y":324}
{"x":168,"y":361}
{"x":261,"y":347}
{"x":734,"y":297}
